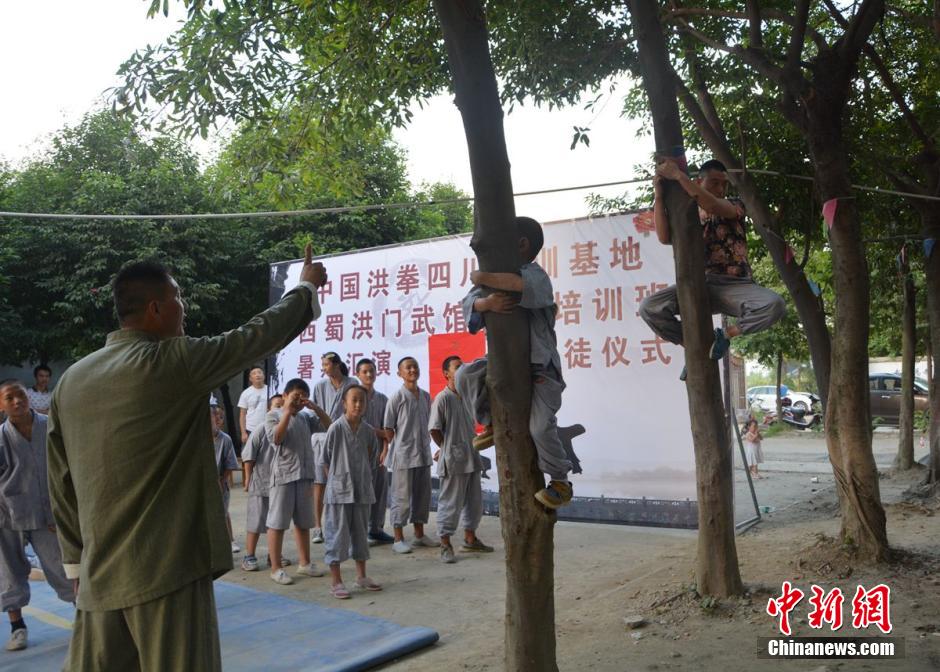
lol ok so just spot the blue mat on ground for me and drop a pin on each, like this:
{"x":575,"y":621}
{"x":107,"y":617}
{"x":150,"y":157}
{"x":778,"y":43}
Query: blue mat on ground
{"x":259,"y":631}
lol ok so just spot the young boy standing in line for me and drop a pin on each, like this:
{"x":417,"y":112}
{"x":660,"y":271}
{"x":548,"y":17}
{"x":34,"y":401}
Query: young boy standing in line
{"x":458,"y":467}
{"x":292,"y":473}
{"x":256,"y":458}
{"x":350,"y":448}
{"x":25,"y":511}
{"x":406,"y":415}
{"x":538,"y":298}
{"x":225,"y":463}
{"x":375,"y":416}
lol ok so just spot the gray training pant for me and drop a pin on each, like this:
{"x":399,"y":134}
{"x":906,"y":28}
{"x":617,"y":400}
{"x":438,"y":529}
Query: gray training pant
{"x":345,"y":530}
{"x":757,"y":308}
{"x":547,"y":387}
{"x":15,"y":568}
{"x":377,"y":510}
{"x":411,"y":496}
{"x":461,"y":496}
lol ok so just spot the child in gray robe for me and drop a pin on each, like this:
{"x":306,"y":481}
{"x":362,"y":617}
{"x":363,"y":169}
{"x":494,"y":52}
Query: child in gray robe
{"x":25,"y":510}
{"x":348,"y":452}
{"x":538,"y":298}
{"x":458,"y":467}
{"x":225,"y":464}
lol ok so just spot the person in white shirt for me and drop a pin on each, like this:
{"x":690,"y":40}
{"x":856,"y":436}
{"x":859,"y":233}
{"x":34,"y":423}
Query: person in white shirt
{"x":39,"y":395}
{"x":253,"y":404}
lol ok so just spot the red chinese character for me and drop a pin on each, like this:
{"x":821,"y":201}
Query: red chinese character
{"x":362,"y":325}
{"x":349,"y":286}
{"x":569,"y":308}
{"x":782,"y":606}
{"x":615,"y":352}
{"x":653,"y":351}
{"x":352,"y":358}
{"x":408,"y":278}
{"x":309,"y":335}
{"x":642,"y":291}
{"x":385,"y":315}
{"x":305,"y":367}
{"x":454,"y":322}
{"x":584,"y":261}
{"x":383,"y":362}
{"x":578,"y":353}
{"x":826,"y":610}
{"x":626,"y":254}
{"x":608,"y":304}
{"x":419,"y":320}
{"x":548,"y":260}
{"x":439,"y":275}
{"x":644,"y":223}
{"x":469,"y":265}
{"x":872,"y":607}
{"x":378,"y":283}
{"x":334,"y":327}
{"x":325,"y":290}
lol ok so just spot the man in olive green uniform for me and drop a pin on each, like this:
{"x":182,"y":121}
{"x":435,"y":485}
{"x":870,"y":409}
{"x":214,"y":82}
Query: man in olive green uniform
{"x":132,"y":474}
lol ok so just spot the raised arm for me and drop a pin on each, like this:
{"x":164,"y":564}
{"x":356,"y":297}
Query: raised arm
{"x":660,"y":220}
{"x":669,"y":169}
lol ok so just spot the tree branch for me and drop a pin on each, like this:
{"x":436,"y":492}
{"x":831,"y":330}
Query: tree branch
{"x":859,"y":29}
{"x":755,"y":36}
{"x":797,"y":36}
{"x":755,"y":19}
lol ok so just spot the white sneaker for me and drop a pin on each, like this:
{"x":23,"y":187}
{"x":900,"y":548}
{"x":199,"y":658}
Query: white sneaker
{"x":309,"y":570}
{"x":280,"y":576}
{"x":18,"y":640}
{"x":236,"y":548}
{"x":426,"y":541}
{"x":401,"y":547}
{"x":317,"y":536}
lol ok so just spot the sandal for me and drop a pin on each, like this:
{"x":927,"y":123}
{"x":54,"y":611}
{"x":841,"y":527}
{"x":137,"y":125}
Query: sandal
{"x":368,"y":584}
{"x":339,"y":592}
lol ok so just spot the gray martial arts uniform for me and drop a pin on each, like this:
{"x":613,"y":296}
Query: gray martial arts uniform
{"x":224,"y":461}
{"x":329,"y":398}
{"x":409,"y":456}
{"x":347,"y":457}
{"x":26,"y":516}
{"x":538,"y":299}
{"x":292,"y":471}
{"x":258,"y":451}
{"x":375,"y":416}
{"x":458,"y":467}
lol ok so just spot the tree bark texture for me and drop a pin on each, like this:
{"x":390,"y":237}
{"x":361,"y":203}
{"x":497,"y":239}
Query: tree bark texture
{"x":931,"y":228}
{"x":778,"y":397}
{"x":905,"y":456}
{"x":717,"y":571}
{"x":526,"y":526}
{"x":809,"y":307}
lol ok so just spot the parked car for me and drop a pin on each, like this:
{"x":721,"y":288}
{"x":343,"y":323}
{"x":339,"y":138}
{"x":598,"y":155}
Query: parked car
{"x":765,"y":397}
{"x":884,"y":393}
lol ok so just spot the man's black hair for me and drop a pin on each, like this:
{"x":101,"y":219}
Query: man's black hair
{"x":12,"y":381}
{"x":531,"y":230}
{"x":355,"y":387}
{"x":41,"y":367}
{"x":405,"y":359}
{"x":136,"y":285}
{"x":446,"y":365}
{"x":362,"y":362}
{"x":336,"y":359}
{"x":272,"y":398}
{"x":712,"y":164}
{"x":296,"y":384}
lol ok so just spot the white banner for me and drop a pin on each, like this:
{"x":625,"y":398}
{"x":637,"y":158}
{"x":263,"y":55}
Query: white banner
{"x":622,"y":382}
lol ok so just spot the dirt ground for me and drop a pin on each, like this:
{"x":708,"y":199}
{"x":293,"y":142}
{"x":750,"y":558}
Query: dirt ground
{"x":605,"y":573}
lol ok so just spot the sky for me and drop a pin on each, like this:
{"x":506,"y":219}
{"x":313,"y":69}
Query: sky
{"x":53,"y":77}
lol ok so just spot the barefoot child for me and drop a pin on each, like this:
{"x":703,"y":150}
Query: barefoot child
{"x":752,"y":450}
{"x":350,"y":448}
{"x":406,"y":415}
{"x":458,"y":467}
{"x":292,"y":474}
{"x":537,"y":297}
{"x":225,"y":463}
{"x":256,"y":459}
{"x":375,"y":416}
{"x":25,"y":511}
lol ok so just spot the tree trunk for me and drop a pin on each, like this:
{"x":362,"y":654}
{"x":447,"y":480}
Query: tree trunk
{"x":778,"y":396}
{"x":848,"y":416}
{"x":527,"y":527}
{"x":809,"y":307}
{"x":905,"y":456}
{"x":931,"y":229}
{"x":717,"y":571}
